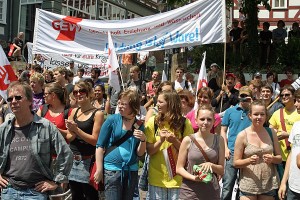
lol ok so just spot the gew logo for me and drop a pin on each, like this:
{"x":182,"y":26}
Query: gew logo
{"x":67,"y":28}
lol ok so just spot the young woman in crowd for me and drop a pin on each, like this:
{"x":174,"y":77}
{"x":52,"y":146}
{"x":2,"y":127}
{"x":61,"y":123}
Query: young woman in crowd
{"x":100,"y":98}
{"x":83,"y":129}
{"x":190,"y":155}
{"x":204,"y":97}
{"x":37,"y":85}
{"x":256,"y":154}
{"x":164,"y":133}
{"x":164,"y":86}
{"x":118,"y":166}
{"x":48,"y":76}
{"x":187,"y":101}
{"x":55,"y":109}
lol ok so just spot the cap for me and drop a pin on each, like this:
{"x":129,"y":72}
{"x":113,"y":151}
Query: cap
{"x":245,"y":90}
{"x":230,"y":75}
{"x":215,"y":64}
{"x":257,"y":74}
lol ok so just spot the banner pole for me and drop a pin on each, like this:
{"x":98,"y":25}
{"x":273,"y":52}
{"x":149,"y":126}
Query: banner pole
{"x":225,"y":48}
{"x":121,"y":78}
{"x":224,"y":72}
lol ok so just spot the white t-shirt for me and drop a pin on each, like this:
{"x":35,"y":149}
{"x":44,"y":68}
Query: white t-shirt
{"x":180,"y":86}
{"x":294,"y":173}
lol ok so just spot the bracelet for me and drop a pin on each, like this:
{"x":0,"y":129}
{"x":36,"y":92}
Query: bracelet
{"x":142,"y":140}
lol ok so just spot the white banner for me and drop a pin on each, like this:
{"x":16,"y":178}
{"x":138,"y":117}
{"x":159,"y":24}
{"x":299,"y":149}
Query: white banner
{"x":201,"y":22}
{"x":85,"y":61}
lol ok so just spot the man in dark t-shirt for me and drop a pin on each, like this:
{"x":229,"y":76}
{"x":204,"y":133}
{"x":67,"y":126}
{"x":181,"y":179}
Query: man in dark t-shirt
{"x":18,"y":44}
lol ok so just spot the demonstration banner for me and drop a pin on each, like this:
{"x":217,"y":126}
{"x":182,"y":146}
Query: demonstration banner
{"x":201,"y":22}
{"x":85,"y":61}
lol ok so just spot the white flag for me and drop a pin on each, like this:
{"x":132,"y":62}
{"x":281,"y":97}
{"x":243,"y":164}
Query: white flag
{"x":113,"y":64}
{"x":164,"y":76}
{"x":202,"y":78}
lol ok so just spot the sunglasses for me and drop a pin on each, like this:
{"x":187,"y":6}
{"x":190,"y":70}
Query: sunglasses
{"x":285,"y":95}
{"x":17,"y":98}
{"x":244,"y":95}
{"x":80,"y":92}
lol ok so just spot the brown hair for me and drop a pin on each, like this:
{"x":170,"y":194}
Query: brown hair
{"x":159,"y":88}
{"x":135,"y":68}
{"x":134,"y":100}
{"x":84,"y":85}
{"x":206,"y":107}
{"x":26,"y":88}
{"x":38,"y":77}
{"x":173,"y":115}
{"x":258,"y":102}
{"x":188,"y":96}
{"x":205,"y":90}
{"x":57,"y":89}
{"x":297,"y":93}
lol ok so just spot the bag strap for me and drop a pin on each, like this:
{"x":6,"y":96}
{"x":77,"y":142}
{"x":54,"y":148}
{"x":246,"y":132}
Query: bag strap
{"x":287,"y":143}
{"x":199,"y":147}
{"x":136,"y":125}
{"x":44,"y":110}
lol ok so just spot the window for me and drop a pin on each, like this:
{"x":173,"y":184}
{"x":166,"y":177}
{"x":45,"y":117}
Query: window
{"x":3,"y":9}
{"x":279,"y":4}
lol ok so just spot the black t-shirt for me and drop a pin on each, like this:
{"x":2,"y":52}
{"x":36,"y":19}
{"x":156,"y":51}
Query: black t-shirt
{"x":236,"y":33}
{"x":18,"y":42}
{"x":266,"y":36}
{"x":22,"y":168}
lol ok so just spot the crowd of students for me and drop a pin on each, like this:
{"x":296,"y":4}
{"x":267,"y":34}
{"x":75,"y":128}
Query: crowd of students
{"x":235,"y":132}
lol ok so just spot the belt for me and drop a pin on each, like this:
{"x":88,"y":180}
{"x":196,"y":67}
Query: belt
{"x":80,"y":157}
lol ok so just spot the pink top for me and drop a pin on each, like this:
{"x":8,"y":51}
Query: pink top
{"x":192,"y":117}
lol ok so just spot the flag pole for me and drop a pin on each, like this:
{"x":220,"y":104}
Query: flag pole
{"x":123,"y":86}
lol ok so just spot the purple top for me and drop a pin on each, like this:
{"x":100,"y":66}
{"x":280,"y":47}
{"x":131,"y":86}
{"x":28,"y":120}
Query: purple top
{"x":38,"y":100}
{"x":192,"y":117}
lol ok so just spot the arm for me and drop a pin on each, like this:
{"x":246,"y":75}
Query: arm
{"x":98,"y":176}
{"x":152,"y":148}
{"x":149,"y":103}
{"x":224,"y":136}
{"x":148,"y":115}
{"x":182,"y":159}
{"x":107,"y":106}
{"x":282,"y":188}
{"x":276,"y":159}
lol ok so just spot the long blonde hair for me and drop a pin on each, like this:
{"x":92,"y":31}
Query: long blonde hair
{"x":173,"y":114}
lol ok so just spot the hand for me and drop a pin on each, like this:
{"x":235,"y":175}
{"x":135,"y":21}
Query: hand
{"x":3,"y":182}
{"x":98,"y":176}
{"x":282,"y":135}
{"x":268,"y":158}
{"x":163,"y":134}
{"x":253,"y":159}
{"x":227,"y":154}
{"x":171,"y":137}
{"x":139,"y":135}
{"x":45,"y":186}
{"x":206,"y":167}
{"x":282,"y":192}
{"x":71,"y":126}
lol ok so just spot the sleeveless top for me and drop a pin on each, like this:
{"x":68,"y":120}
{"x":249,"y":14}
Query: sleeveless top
{"x":198,"y":190}
{"x":260,"y":178}
{"x":78,"y":145}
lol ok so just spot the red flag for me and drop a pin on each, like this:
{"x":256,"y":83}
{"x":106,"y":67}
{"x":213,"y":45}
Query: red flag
{"x":7,"y":74}
{"x":202,"y":78}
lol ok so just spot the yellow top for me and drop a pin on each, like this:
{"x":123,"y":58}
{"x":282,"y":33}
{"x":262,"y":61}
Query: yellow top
{"x":158,"y":173}
{"x":289,"y":119}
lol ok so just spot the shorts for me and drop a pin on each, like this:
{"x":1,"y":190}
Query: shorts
{"x":271,"y":193}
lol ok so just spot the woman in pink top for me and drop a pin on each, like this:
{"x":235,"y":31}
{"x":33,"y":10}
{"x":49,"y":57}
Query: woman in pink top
{"x":204,"y":96}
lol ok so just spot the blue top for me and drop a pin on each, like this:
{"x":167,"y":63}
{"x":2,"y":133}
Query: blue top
{"x":236,"y":118}
{"x":123,"y":157}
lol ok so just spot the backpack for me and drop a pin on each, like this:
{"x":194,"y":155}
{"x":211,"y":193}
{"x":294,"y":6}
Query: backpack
{"x":46,"y":107}
{"x":182,"y":128}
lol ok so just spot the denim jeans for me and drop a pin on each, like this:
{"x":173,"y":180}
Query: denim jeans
{"x":292,"y":195}
{"x":229,"y":179}
{"x":118,"y":187}
{"x":10,"y":193}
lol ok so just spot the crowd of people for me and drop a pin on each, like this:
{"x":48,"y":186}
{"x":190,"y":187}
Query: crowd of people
{"x":56,"y":126}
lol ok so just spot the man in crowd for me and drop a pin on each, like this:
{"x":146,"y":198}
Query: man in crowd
{"x":79,"y":77}
{"x":266,"y":95}
{"x":95,"y":73}
{"x":60,"y":75}
{"x":72,"y":68}
{"x":180,"y":83}
{"x":18,"y":46}
{"x":283,"y":119}
{"x":236,"y":119}
{"x":226,"y":96}
{"x":289,"y":78}
{"x":135,"y":81}
{"x":292,"y":171}
{"x":27,"y":143}
{"x":142,"y":58}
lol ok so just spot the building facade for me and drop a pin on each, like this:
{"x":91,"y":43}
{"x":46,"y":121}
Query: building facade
{"x":19,"y":15}
{"x":286,"y":10}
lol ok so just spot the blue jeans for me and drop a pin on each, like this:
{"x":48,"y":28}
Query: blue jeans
{"x":118,"y":187}
{"x":229,"y":179}
{"x":10,"y":193}
{"x":292,"y":195}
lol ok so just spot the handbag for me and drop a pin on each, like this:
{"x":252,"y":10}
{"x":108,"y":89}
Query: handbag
{"x":93,"y":167}
{"x":279,"y":167}
{"x":143,"y":180}
{"x":287,"y":143}
{"x":204,"y":177}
